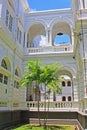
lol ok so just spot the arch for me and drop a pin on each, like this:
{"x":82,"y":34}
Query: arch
{"x":63,"y":98}
{"x":63,"y":83}
{"x":36,"y":22}
{"x":57,"y":20}
{"x":5,"y":63}
{"x":37,"y":29}
{"x":61,"y":26}
{"x":69,"y":98}
{"x":61,"y":29}
{"x":30,"y":97}
{"x":69,"y":83}
{"x":67,"y":76}
{"x":67,"y":70}
{"x":17,"y":71}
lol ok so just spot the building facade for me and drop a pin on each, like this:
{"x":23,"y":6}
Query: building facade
{"x":26,"y":35}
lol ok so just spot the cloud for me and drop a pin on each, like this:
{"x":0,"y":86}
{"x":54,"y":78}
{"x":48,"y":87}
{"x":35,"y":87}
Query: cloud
{"x":43,"y":41}
{"x":40,"y":41}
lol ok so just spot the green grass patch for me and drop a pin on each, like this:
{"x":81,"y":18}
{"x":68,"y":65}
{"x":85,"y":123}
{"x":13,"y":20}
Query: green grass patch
{"x":49,"y":127}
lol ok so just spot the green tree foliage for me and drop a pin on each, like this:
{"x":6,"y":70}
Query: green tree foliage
{"x":50,"y":77}
{"x":42,"y":74}
{"x":32,"y":73}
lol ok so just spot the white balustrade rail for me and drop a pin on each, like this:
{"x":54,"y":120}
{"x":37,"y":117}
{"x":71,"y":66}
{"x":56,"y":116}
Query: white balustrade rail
{"x":53,"y":106}
{"x":51,"y":49}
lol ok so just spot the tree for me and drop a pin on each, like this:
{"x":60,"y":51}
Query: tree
{"x":42,"y":74}
{"x":52,"y":81}
{"x":32,"y":74}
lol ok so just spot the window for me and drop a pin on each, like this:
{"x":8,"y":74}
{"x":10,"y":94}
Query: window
{"x":69,"y":83}
{"x":24,"y":40}
{"x":69,"y":98}
{"x":54,"y":97}
{"x":5,"y":80}
{"x":16,"y":72}
{"x":9,"y":20}
{"x":63,"y":98}
{"x":16,"y":84}
{"x":19,"y":35}
{"x":5,"y":91}
{"x":10,"y":23}
{"x":3,"y":64}
{"x":7,"y":17}
{"x":1,"y":77}
{"x":63,"y":83}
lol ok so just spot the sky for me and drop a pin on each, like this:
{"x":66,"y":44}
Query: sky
{"x":39,"y":5}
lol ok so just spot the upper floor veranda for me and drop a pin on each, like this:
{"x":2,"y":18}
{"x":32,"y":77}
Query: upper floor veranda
{"x":49,"y":32}
{"x":41,"y":32}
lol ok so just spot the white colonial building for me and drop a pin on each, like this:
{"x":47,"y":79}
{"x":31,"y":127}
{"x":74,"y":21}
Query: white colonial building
{"x":53,"y":36}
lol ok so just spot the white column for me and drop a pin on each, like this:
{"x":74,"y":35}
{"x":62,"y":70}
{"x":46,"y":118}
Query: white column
{"x":26,"y":40}
{"x":48,"y":37}
{"x":47,"y":40}
{"x":75,"y":89}
{"x":80,"y":4}
{"x":85,"y":4}
{"x":72,"y":38}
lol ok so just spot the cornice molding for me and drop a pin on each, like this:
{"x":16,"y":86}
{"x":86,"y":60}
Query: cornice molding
{"x":45,"y":12}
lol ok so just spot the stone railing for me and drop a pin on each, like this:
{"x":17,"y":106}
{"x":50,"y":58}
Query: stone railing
{"x":51,"y":49}
{"x":33,"y":106}
{"x":53,"y":106}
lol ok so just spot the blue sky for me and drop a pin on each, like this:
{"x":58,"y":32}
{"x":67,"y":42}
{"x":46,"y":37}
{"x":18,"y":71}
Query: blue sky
{"x":39,"y":5}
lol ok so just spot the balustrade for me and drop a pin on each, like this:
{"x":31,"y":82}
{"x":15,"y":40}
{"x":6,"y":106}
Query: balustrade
{"x":51,"y":49}
{"x":54,"y":106}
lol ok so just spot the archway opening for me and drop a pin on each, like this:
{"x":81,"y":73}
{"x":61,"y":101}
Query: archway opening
{"x":61,"y":39}
{"x":39,"y":41}
{"x":35,"y":35}
{"x":61,"y":33}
